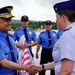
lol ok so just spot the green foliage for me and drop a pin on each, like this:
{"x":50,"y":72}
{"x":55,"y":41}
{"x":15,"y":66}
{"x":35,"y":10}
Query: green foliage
{"x":16,"y":25}
{"x":33,"y":24}
{"x":54,"y":25}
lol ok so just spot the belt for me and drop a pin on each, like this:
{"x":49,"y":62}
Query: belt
{"x":47,"y":48}
{"x":15,"y":74}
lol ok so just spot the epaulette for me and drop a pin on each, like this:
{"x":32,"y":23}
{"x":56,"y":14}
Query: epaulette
{"x":42,"y":32}
{"x":54,"y":31}
{"x":67,"y":29}
{"x":10,"y":34}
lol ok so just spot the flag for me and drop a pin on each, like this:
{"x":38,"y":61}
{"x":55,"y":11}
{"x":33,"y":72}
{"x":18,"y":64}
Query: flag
{"x":25,"y":57}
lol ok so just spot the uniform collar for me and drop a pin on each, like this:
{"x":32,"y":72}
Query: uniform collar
{"x":71,"y":25}
{"x":3,"y":34}
{"x":48,"y":30}
{"x":26,"y":28}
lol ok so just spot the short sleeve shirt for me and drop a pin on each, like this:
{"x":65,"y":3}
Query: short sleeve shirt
{"x":43,"y":38}
{"x":5,"y":53}
{"x":65,"y":48}
{"x":30,"y":33}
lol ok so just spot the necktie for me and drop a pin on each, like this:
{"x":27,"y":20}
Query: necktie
{"x":26,"y":36}
{"x":11,"y":49}
{"x":49,"y":39}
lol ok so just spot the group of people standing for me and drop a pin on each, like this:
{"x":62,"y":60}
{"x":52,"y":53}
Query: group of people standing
{"x":57,"y":52}
{"x":46,"y":39}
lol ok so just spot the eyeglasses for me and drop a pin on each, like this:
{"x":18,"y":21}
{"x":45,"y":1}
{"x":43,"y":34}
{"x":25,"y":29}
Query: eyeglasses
{"x":6,"y":19}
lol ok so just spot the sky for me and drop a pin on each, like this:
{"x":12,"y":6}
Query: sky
{"x":37,"y":10}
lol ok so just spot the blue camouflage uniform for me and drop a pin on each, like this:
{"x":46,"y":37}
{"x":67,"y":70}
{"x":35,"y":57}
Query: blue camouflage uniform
{"x":5,"y":53}
{"x":30,"y":32}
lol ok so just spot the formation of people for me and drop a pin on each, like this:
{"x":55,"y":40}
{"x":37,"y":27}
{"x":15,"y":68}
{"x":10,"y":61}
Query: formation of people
{"x":58,"y":48}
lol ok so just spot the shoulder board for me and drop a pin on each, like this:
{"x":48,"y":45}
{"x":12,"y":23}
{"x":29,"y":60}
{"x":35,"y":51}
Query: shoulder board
{"x":54,"y":31}
{"x":10,"y":35}
{"x":42,"y":32}
{"x":67,"y":29}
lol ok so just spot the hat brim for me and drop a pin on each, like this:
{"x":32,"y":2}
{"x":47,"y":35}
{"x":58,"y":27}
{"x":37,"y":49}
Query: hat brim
{"x":6,"y":16}
{"x":24,"y":20}
{"x":48,"y":24}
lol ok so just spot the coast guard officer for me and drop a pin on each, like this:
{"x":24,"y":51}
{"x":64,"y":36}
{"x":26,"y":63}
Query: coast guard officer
{"x":64,"y":49}
{"x":46,"y":40}
{"x":29,"y":34}
{"x":8,"y":51}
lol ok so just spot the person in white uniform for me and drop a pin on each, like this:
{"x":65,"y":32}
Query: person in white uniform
{"x":64,"y":49}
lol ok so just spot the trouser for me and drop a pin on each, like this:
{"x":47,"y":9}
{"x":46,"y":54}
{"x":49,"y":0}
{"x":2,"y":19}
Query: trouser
{"x":46,"y":56}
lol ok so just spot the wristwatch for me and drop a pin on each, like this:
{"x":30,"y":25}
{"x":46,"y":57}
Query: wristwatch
{"x":43,"y":68}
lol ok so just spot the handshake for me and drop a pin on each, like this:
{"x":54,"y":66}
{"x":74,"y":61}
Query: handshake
{"x":33,"y":69}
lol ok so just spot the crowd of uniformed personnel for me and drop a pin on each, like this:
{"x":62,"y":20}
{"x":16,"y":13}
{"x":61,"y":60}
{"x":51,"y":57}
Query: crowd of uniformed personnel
{"x":48,"y":39}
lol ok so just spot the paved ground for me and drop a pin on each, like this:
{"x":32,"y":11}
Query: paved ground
{"x":37,"y":60}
